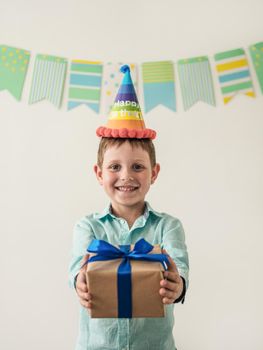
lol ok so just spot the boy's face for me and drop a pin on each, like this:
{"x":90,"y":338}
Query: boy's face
{"x":126,"y":175}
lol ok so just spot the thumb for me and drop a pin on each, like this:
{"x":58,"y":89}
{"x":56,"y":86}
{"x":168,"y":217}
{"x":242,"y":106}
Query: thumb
{"x":84,"y":261}
{"x":172,"y":266}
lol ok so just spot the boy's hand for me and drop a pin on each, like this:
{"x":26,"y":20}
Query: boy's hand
{"x":172,"y":285}
{"x":81,"y":286}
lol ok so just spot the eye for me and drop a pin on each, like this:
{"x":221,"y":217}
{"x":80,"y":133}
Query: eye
{"x":137,"y":167}
{"x":115,"y":167}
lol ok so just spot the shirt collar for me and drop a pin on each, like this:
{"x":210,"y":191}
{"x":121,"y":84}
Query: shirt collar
{"x":107,"y":211}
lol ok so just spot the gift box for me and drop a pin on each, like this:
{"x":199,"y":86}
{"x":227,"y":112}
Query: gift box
{"x":124,"y":281}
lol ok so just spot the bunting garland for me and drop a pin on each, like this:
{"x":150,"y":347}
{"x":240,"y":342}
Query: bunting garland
{"x":48,"y":79}
{"x":233,"y":74}
{"x":158,"y":85}
{"x":85,"y":84}
{"x":95,"y":83}
{"x":13,"y":68}
{"x":196,"y":81}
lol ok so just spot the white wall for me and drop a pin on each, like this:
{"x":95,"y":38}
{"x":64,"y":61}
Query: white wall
{"x":211,"y":175}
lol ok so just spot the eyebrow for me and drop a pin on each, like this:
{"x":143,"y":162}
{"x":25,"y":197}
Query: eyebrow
{"x":139,"y":160}
{"x":118,"y":160}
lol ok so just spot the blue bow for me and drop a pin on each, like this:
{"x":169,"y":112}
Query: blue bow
{"x":106,"y":251}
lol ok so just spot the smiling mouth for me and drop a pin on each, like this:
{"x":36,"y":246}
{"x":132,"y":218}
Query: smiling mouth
{"x":127,"y":188}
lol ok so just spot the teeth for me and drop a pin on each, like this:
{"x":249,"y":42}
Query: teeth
{"x":126,"y":189}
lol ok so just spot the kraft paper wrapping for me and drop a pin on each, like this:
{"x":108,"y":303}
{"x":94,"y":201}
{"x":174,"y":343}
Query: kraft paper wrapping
{"x":146,"y":277}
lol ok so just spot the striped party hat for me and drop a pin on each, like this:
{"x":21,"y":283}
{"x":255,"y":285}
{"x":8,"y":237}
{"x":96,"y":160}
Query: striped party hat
{"x":126,"y":120}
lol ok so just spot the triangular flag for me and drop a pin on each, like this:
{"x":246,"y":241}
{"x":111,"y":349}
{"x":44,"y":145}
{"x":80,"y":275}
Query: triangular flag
{"x":196,"y":81}
{"x":233,"y":74}
{"x":85,"y":84}
{"x":48,"y":79}
{"x":158,"y":85}
{"x":13,"y":68}
{"x":256,"y":52}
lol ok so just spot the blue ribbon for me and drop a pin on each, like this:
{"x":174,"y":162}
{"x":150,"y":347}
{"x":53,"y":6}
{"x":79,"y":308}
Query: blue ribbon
{"x":106,"y":251}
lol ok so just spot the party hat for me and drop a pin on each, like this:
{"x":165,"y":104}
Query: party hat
{"x":126,"y":120}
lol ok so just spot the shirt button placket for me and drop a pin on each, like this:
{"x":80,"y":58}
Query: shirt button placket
{"x":124,"y":230}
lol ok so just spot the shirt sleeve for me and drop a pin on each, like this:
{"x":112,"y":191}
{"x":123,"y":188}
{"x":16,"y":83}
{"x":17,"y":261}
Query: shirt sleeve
{"x":174,"y":244}
{"x":82,"y":236}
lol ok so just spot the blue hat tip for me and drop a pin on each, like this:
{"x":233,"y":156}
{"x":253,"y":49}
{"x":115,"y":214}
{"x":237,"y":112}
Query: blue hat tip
{"x":125,"y":68}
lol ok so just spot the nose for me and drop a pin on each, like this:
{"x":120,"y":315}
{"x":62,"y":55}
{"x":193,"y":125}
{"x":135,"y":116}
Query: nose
{"x":126,"y":176}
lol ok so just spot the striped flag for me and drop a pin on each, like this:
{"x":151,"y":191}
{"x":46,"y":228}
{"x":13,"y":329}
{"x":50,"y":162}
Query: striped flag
{"x":48,"y":79}
{"x":233,"y":74}
{"x":158,"y":84}
{"x":85,"y":84}
{"x":256,"y":52}
{"x":196,"y":81}
{"x":13,"y":68}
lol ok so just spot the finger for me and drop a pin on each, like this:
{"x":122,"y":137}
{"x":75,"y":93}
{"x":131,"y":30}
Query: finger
{"x":174,"y":292}
{"x":84,"y":261}
{"x":82,"y":286}
{"x":82,"y":276}
{"x":83,"y":303}
{"x":172,"y":276}
{"x":169,"y":285}
{"x":167,"y":293}
{"x":86,"y":304}
{"x":84,"y":296}
{"x":168,"y":301}
{"x":172,"y":266}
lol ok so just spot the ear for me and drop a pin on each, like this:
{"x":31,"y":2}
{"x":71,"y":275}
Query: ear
{"x":98,"y":173}
{"x":155,"y":172}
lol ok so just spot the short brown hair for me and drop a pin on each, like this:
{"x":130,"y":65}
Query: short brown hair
{"x":145,"y":144}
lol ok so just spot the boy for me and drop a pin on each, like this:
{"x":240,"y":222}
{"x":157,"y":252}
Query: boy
{"x":126,"y":168}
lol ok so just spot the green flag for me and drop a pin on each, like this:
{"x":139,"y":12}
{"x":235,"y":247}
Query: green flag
{"x":256,"y":52}
{"x":13,"y":69}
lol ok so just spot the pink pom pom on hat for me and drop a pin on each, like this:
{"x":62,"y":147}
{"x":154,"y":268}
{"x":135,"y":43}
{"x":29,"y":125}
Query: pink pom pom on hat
{"x":126,"y":120}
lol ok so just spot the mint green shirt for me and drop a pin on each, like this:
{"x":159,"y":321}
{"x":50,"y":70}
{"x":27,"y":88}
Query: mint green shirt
{"x":135,"y":333}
